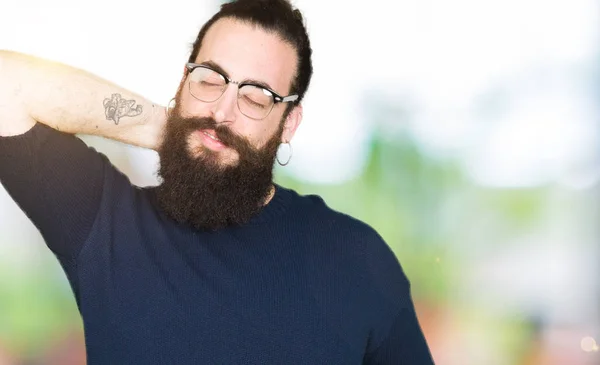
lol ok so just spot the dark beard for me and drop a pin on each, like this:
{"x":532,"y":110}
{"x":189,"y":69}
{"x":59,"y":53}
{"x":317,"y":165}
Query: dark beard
{"x":203,"y":192}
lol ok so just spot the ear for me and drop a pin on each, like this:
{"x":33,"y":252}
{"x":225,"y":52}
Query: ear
{"x":291,"y":124}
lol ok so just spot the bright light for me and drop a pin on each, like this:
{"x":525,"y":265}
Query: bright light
{"x":588,"y":344}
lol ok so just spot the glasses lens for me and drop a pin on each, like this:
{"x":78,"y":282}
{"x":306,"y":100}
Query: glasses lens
{"x":206,"y":85}
{"x":255,"y":102}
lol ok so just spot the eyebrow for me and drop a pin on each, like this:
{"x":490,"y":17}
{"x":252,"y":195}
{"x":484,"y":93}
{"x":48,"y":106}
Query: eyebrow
{"x":215,"y":66}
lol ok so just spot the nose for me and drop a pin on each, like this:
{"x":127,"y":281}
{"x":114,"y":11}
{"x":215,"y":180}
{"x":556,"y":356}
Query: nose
{"x":224,"y":109}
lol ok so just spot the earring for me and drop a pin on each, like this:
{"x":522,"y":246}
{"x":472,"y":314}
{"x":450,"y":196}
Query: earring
{"x":291,"y":153}
{"x":168,"y":108}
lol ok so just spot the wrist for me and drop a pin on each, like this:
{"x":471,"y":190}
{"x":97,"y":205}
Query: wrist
{"x":157,"y":122}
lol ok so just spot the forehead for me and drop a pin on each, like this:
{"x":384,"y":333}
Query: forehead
{"x":246,"y":51}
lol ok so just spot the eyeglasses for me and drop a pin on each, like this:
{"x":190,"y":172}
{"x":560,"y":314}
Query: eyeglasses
{"x":254,"y":101}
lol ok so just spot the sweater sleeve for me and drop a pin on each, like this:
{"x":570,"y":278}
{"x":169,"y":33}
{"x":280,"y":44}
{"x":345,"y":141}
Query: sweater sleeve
{"x":396,"y":337}
{"x":404,"y":343}
{"x":57,"y":181}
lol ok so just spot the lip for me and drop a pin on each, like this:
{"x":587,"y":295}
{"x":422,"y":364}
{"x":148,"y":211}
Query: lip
{"x":208,"y":142}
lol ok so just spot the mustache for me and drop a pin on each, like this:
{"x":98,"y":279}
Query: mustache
{"x":183,"y":126}
{"x":222,"y":132}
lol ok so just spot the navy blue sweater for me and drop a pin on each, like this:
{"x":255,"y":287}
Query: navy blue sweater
{"x":300,"y":284}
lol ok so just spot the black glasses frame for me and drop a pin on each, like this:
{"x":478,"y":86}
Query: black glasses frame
{"x":190,"y":66}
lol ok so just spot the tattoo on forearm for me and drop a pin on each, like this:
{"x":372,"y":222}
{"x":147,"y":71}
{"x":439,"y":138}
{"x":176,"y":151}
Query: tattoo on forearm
{"x":116,"y":107}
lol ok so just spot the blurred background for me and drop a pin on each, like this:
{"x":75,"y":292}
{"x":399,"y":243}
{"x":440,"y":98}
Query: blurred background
{"x":466,"y":132}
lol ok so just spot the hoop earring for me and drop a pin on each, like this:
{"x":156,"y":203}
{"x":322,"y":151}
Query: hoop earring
{"x":291,"y":153}
{"x":168,"y":108}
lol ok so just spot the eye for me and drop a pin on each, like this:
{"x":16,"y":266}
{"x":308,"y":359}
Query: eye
{"x":256,"y":97}
{"x":208,"y":83}
{"x":206,"y":77}
{"x":254,"y":103}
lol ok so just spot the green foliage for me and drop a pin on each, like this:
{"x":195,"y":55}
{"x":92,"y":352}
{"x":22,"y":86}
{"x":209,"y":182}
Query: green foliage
{"x":35,"y":306}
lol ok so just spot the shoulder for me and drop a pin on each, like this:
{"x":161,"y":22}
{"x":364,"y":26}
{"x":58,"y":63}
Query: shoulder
{"x":358,"y":244}
{"x":319,"y":217}
{"x":314,"y":209}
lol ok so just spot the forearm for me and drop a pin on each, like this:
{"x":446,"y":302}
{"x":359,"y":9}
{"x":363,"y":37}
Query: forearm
{"x":74,"y":101}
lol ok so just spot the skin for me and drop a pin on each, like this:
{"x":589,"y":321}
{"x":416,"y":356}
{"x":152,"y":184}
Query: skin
{"x":244,"y":52}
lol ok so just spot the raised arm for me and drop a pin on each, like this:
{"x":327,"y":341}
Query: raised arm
{"x":73,"y":101}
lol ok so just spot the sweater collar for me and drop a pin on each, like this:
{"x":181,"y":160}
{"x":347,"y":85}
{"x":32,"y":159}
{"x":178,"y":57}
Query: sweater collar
{"x":276,"y":207}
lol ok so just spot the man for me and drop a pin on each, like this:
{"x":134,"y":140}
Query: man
{"x":216,"y":265}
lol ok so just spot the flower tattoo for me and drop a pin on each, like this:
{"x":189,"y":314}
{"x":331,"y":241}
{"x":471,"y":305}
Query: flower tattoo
{"x":116,"y":107}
